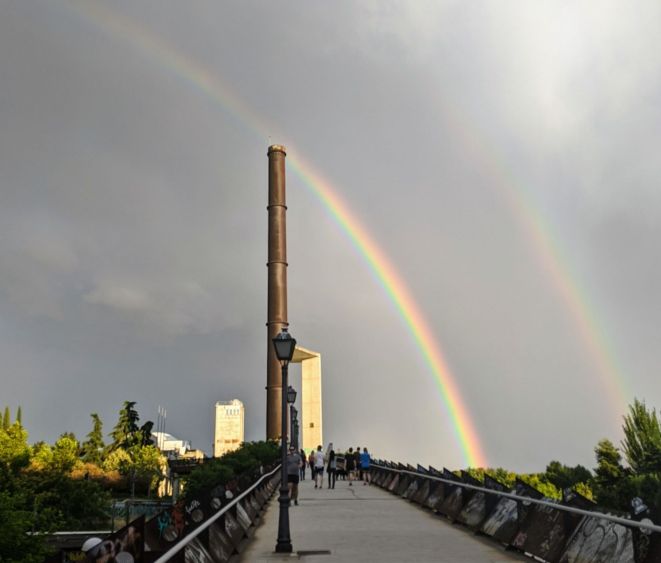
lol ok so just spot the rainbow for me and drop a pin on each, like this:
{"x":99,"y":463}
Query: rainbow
{"x":549,"y":253}
{"x":544,"y":245}
{"x":406,"y":306}
{"x":209,"y":84}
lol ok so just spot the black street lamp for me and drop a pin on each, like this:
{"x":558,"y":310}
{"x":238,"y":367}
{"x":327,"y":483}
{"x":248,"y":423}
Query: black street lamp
{"x":291,"y":399}
{"x":293,"y":429}
{"x":296,"y":433}
{"x":291,"y":394}
{"x":284,"y":346}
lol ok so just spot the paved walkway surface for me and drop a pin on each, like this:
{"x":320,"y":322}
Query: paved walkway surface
{"x":365,"y":523}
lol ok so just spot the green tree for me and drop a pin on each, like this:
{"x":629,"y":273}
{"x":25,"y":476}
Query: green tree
{"x":19,"y":416}
{"x":126,"y":433}
{"x":502,"y":475}
{"x":566,"y":477}
{"x":539,"y":482}
{"x":585,"y":490}
{"x":6,"y":419}
{"x":16,"y":520}
{"x":93,"y":447}
{"x":615,"y":485}
{"x":41,"y":456}
{"x":145,"y":434}
{"x":14,"y":453}
{"x":146,"y":467}
{"x":17,"y":515}
{"x":141,"y":464}
{"x":66,"y":452}
{"x":38,"y":494}
{"x":609,"y":468}
{"x":642,"y":438}
{"x":116,"y":461}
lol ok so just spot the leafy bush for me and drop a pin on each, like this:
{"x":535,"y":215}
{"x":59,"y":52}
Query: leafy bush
{"x":248,"y":458}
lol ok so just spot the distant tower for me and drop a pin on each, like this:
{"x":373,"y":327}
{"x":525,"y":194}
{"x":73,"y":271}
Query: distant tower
{"x":311,"y":415}
{"x":277,"y":285}
{"x":230,"y":421}
{"x":312,"y":434}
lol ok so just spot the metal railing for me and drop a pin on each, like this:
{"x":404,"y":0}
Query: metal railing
{"x":592,"y":513}
{"x":520,"y":518}
{"x":193,"y":534}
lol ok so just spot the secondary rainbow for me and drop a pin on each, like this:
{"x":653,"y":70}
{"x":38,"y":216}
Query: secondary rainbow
{"x":209,"y":84}
{"x":548,"y":251}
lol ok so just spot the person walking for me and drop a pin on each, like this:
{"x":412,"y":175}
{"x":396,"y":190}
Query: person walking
{"x":303,"y":463}
{"x":359,"y":471}
{"x":319,"y":468}
{"x":350,"y":464}
{"x":311,"y":463}
{"x":293,"y":467}
{"x":365,"y":461}
{"x":332,"y":469}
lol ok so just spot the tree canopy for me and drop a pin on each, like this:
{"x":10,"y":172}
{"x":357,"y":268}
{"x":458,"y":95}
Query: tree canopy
{"x":92,"y":448}
{"x":44,"y":487}
{"x":126,"y":431}
{"x":642,"y":438}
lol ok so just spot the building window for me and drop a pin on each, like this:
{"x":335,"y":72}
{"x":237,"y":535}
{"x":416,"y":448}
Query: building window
{"x":312,"y":425}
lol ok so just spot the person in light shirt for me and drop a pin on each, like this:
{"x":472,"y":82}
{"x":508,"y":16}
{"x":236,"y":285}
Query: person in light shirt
{"x":319,"y":468}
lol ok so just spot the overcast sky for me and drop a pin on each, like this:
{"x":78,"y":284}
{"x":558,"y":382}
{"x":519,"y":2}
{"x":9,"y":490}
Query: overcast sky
{"x":504,"y":156}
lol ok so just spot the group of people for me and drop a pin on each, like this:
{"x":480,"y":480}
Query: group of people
{"x":356,"y":466}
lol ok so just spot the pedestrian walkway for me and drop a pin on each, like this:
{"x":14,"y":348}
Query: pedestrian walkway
{"x":364,"y":523}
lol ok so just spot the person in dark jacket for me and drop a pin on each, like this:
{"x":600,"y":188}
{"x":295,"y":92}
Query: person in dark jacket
{"x":332,"y":469}
{"x":350,"y":461}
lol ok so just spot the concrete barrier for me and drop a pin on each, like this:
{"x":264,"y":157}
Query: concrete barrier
{"x":571,"y":531}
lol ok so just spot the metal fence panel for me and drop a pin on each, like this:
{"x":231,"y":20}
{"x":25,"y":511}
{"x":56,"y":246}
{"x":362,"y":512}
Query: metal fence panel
{"x":504,"y":522}
{"x":481,"y":504}
{"x":394,"y":483}
{"x":545,"y":532}
{"x":412,"y":489}
{"x":403,"y":485}
{"x":243,"y":518}
{"x":233,"y":529}
{"x":597,"y":540}
{"x":196,"y":552}
{"x":436,"y":495}
{"x":423,"y":492}
{"x":220,"y":546}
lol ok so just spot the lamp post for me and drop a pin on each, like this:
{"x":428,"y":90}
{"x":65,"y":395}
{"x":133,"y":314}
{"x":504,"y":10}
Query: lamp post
{"x":284,"y":346}
{"x":291,"y":399}
{"x":293,"y":421}
{"x":296,"y":433}
{"x":291,"y":394}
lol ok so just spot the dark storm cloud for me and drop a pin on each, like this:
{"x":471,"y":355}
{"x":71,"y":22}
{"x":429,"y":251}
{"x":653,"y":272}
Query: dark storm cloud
{"x":133,"y":224}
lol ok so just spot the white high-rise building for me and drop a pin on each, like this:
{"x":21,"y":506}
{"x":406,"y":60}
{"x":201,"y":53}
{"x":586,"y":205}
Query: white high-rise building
{"x":229,"y":435}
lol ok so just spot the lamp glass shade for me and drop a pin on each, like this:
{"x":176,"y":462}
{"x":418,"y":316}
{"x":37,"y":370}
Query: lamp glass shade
{"x":291,"y":395}
{"x":284,"y":346}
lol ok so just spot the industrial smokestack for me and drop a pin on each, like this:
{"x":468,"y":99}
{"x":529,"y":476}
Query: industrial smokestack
{"x":277,"y":285}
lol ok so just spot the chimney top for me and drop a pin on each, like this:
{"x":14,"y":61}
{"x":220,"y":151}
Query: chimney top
{"x":277,"y":148}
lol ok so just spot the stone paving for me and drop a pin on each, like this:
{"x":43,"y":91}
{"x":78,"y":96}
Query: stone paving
{"x":365,"y":523}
